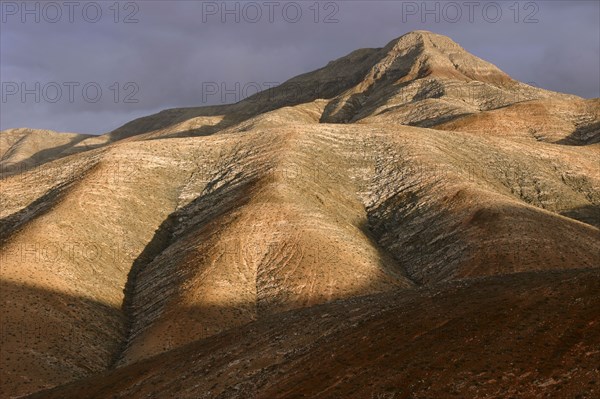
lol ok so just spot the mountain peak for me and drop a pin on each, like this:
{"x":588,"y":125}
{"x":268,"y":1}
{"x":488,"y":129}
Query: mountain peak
{"x":422,"y":53}
{"x":249,"y":251}
{"x":421,"y":36}
{"x":417,"y":66}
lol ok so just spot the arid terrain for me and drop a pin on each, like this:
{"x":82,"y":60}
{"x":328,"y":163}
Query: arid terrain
{"x":405,"y":222}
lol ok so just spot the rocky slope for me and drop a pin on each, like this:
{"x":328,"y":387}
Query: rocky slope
{"x":23,"y":149}
{"x":376,"y":206}
{"x":523,"y":335}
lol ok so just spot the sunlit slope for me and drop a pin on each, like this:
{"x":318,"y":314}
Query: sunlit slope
{"x":382,"y":179}
{"x":523,"y":335}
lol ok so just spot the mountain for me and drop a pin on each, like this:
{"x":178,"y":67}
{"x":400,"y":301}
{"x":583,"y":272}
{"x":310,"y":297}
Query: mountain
{"x":407,"y":220}
{"x":23,"y":149}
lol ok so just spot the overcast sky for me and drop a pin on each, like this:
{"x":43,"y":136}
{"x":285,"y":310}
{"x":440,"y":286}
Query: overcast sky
{"x":89,"y":67}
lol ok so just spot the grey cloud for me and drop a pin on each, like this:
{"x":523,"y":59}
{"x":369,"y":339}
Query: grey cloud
{"x":170,"y":52}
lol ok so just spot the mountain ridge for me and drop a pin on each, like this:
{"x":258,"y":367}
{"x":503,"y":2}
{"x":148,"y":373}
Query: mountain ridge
{"x":377,"y":193}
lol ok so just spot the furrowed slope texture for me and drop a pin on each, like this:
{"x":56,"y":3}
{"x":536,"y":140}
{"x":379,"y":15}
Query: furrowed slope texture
{"x":23,"y":149}
{"x":277,"y":226}
{"x":524,"y":335}
{"x":73,"y":241}
{"x":204,"y":251}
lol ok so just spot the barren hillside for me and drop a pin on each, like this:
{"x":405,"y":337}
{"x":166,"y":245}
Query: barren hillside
{"x":407,"y":220}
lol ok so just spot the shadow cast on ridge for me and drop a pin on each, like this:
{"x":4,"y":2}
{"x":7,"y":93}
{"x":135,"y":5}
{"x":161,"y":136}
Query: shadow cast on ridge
{"x":418,"y":338}
{"x":45,"y":342}
{"x":40,"y":158}
{"x":583,"y":135}
{"x":589,"y":214}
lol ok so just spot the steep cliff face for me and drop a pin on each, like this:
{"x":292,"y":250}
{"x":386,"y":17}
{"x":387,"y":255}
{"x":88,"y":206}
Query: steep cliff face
{"x":385,"y":201}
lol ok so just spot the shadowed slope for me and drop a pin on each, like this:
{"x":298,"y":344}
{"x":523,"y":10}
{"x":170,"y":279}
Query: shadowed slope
{"x":78,"y":241}
{"x":23,"y":149}
{"x":196,"y":222}
{"x":451,"y":205}
{"x":275,"y":228}
{"x":326,"y":82}
{"x":282,"y":212}
{"x":50,"y":337}
{"x":524,"y":335}
{"x":424,"y":78}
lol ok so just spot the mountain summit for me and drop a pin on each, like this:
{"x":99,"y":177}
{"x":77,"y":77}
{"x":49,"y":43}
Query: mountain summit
{"x":419,"y":69}
{"x":421,"y":54}
{"x":411,"y":219}
{"x":423,"y":66}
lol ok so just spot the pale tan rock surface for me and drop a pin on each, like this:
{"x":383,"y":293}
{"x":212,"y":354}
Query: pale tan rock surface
{"x":417,"y":176}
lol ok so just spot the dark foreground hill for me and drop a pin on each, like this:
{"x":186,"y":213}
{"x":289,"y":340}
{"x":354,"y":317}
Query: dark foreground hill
{"x":412,"y":223}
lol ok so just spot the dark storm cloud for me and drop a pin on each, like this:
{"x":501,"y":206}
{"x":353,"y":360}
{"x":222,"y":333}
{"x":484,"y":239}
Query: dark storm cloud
{"x":166,"y":58}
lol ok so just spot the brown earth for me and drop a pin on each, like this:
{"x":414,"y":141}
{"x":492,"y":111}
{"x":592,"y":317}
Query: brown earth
{"x":411,"y":222}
